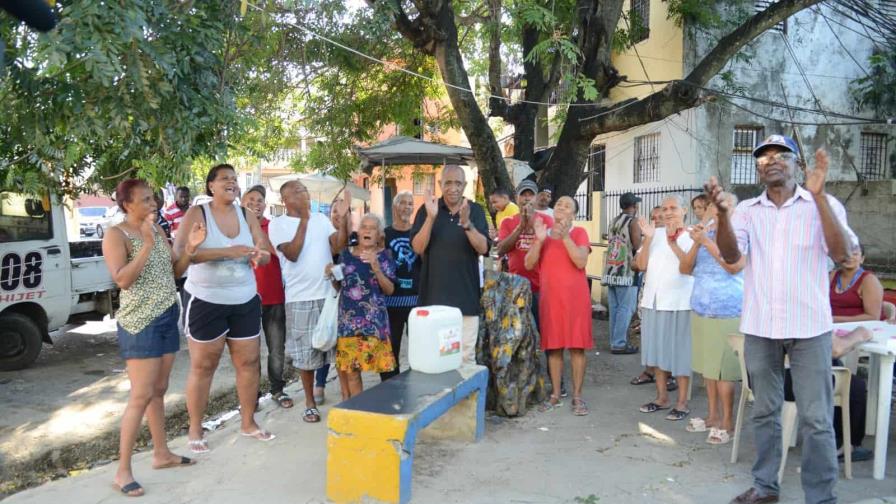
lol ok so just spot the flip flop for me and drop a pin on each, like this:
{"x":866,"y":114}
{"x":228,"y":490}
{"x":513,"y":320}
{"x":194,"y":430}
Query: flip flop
{"x":548,"y":405}
{"x":129,"y":489}
{"x":677,"y":414}
{"x":311,"y":415}
{"x":696,"y":424}
{"x":641,"y":380}
{"x":579,"y":408}
{"x":283,"y":400}
{"x":718,"y":437}
{"x":184,"y":461}
{"x":652,"y":407}
{"x":198,"y":445}
{"x":259,"y":435}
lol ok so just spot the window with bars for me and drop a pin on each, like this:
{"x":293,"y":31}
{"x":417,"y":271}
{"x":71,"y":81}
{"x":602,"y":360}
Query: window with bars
{"x":743,"y":166}
{"x":761,"y":5}
{"x":424,"y":182}
{"x":647,"y":158}
{"x":873,"y":152}
{"x":639,"y":20}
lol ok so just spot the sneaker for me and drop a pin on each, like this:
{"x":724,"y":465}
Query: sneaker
{"x":859,"y":454}
{"x":628,"y":349}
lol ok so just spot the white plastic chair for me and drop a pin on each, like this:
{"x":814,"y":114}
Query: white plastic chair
{"x":737,"y":343}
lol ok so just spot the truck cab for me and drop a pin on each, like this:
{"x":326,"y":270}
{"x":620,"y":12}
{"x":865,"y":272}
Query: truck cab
{"x":44,"y":279}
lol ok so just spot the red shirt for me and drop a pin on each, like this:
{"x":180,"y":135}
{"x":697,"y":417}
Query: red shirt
{"x":174,"y":215}
{"x":516,"y":257}
{"x":268,"y":277}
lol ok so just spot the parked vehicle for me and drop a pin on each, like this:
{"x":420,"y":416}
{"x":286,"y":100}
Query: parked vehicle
{"x":113,"y":216}
{"x":44,"y":279}
{"x":89,"y":217}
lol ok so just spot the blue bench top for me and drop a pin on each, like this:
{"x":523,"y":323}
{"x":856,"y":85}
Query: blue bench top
{"x":408,"y":393}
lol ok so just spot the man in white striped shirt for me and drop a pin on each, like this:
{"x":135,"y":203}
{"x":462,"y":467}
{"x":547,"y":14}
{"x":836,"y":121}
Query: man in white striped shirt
{"x":787,"y":233}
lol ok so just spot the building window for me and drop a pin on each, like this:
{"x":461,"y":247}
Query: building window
{"x":743,"y":166}
{"x":647,"y":158}
{"x":424,"y":182}
{"x":639,"y":20}
{"x":595,"y":169}
{"x":873,"y":152}
{"x":761,"y":5}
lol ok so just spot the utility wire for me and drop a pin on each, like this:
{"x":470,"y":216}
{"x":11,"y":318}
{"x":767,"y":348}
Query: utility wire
{"x":842,"y":45}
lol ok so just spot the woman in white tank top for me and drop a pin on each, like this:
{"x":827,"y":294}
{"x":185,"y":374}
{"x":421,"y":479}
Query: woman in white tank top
{"x":221,"y":304}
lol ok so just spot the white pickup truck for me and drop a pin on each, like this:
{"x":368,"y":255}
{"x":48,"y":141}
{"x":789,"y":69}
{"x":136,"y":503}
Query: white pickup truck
{"x":44,"y":279}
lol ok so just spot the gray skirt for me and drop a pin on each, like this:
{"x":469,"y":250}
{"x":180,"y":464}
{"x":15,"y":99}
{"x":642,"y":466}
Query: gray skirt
{"x":666,"y":340}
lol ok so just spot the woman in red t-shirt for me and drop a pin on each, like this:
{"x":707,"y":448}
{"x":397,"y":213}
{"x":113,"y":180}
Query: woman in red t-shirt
{"x":856,"y":294}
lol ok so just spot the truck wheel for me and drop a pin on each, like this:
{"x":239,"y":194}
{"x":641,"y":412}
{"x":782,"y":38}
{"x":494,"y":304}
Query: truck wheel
{"x":99,"y":231}
{"x":20,"y":341}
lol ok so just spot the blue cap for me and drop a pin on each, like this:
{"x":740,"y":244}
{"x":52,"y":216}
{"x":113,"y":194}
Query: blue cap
{"x":779,"y":140}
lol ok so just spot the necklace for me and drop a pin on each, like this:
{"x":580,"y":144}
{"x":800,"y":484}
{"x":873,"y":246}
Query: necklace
{"x":852,"y":282}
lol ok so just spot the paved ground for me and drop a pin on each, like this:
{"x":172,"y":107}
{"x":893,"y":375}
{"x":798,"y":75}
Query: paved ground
{"x":615,"y":455}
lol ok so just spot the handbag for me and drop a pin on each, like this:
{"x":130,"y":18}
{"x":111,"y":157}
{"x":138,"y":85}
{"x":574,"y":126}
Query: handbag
{"x":325,"y":332}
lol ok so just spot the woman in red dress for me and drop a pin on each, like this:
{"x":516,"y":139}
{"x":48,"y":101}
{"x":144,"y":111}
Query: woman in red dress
{"x":856,"y":294}
{"x":561,"y":253}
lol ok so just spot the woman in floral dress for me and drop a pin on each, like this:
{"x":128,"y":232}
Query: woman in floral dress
{"x":368,"y":277}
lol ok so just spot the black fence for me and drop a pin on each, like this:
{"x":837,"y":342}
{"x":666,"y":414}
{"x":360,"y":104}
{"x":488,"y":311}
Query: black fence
{"x":650,"y":197}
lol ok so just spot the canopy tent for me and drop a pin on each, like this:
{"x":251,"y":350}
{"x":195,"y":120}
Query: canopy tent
{"x":410,"y":151}
{"x":324,"y":187}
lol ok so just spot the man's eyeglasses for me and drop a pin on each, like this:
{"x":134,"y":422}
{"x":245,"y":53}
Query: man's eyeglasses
{"x":778,"y":156}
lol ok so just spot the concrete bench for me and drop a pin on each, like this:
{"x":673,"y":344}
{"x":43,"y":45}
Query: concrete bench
{"x":371,"y":437}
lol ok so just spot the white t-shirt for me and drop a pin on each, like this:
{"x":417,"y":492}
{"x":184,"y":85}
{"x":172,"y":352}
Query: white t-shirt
{"x":304,"y":279}
{"x":665,"y":288}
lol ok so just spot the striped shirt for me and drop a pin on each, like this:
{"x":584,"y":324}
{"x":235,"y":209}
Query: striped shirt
{"x":786,"y":277}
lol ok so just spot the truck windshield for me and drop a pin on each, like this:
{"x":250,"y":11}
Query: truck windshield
{"x":24,"y":218}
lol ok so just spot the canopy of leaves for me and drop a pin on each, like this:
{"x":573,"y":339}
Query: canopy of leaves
{"x":877,"y":90}
{"x":139,"y":88}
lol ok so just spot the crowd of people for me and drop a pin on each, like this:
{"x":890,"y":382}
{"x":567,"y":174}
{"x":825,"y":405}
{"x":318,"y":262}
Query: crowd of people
{"x":732,"y":271}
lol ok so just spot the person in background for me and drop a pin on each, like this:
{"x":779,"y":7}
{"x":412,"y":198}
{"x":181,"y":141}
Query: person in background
{"x":504,"y":208}
{"x":143,"y":266}
{"x":666,"y":316}
{"x":407,"y":273}
{"x":565,"y":305}
{"x":786,"y":234}
{"x":856,"y":294}
{"x":269,"y":281}
{"x":450,"y":233}
{"x":647,"y":376}
{"x":305,"y":244}
{"x":543,"y":200}
{"x":364,"y":342}
{"x":176,"y":211}
{"x":221,"y":302}
{"x":699,"y":204}
{"x":715,"y":313}
{"x":622,"y":281}
{"x":160,"y":219}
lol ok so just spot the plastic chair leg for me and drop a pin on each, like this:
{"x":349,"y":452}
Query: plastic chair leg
{"x":788,"y":429}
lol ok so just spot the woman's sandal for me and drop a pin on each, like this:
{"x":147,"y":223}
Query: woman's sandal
{"x":198,"y":445}
{"x":677,"y":414}
{"x":132,"y":489}
{"x":283,"y":400}
{"x":652,"y":407}
{"x":311,"y":415}
{"x":579,"y":408}
{"x":549,"y":404}
{"x":643,"y":378}
{"x":259,"y":435}
{"x":696,"y":424}
{"x":718,"y":437}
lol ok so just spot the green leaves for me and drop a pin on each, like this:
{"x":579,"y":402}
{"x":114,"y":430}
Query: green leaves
{"x":877,"y":90}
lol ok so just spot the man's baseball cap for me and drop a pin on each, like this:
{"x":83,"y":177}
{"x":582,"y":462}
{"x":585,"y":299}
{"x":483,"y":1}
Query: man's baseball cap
{"x":628,"y":199}
{"x":779,"y":140}
{"x":527,"y":185}
{"x":548,"y":188}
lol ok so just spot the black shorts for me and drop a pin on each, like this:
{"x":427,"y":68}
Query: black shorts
{"x":204,"y":321}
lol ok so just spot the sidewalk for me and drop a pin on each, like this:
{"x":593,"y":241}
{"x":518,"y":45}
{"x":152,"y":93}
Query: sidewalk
{"x":615,"y":454}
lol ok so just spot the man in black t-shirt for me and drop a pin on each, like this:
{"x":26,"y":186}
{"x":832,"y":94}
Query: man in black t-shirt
{"x":450,"y":233}
{"x":407,"y":272}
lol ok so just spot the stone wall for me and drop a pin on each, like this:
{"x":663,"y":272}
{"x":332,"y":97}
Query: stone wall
{"x":871,"y":211}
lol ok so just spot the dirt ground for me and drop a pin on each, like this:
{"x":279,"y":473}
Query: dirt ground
{"x":614,"y":455}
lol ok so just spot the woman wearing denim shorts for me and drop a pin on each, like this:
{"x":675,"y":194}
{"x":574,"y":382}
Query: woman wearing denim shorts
{"x":142,"y":265}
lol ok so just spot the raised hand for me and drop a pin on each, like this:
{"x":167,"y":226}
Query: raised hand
{"x":148,"y":229}
{"x":647,"y":228}
{"x":561,"y":229}
{"x":525,"y":217}
{"x":815,"y":177}
{"x":541,"y":230}
{"x":464,"y":213}
{"x":717,"y":196}
{"x":432,"y":204}
{"x":369,"y":257}
{"x":305,"y":208}
{"x":197,"y":236}
{"x":344,"y":205}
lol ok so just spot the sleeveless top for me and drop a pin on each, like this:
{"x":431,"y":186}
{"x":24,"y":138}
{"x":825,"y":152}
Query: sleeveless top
{"x":153,"y":293}
{"x":225,"y":281}
{"x":618,"y":270}
{"x":717,"y":293}
{"x":848,"y":303}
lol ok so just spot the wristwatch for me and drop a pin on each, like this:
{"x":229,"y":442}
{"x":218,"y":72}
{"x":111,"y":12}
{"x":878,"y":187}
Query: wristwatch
{"x":467,"y":227}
